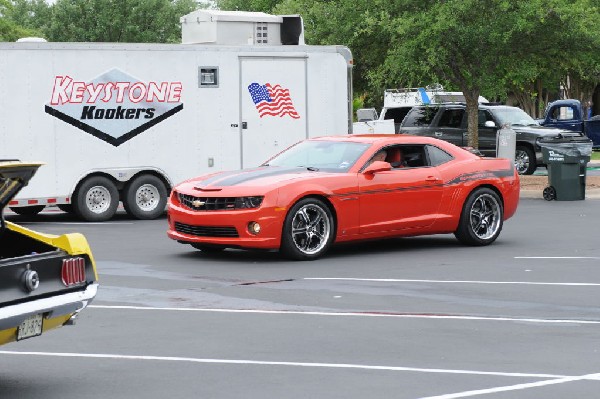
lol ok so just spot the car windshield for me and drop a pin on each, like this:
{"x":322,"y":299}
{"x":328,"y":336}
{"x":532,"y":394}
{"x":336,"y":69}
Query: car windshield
{"x":514,"y":116}
{"x":330,"y":156}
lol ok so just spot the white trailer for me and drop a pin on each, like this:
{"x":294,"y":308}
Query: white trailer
{"x":128,"y":121}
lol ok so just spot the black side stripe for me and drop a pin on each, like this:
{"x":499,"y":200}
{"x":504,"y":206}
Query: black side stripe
{"x":457,"y":180}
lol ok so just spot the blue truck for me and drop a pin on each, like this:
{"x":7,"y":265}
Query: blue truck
{"x":568,"y":115}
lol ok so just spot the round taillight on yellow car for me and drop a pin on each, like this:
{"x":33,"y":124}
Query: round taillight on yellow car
{"x":254,"y":228}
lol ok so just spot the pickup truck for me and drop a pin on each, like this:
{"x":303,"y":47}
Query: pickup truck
{"x":568,"y":115}
{"x":449,"y":122}
{"x":397,"y":103}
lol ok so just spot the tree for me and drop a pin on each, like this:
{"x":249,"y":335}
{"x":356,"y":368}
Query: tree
{"x":9,"y":30}
{"x":33,"y":15}
{"x":265,"y":6}
{"x":141,"y":21}
{"x":455,"y":43}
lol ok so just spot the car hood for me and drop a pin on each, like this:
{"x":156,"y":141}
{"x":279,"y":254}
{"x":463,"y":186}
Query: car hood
{"x":14,"y":176}
{"x":266,"y":177}
{"x":544,"y":131}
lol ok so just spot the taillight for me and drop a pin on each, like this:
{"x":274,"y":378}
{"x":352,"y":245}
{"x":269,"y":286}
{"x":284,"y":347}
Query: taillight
{"x":73,"y":271}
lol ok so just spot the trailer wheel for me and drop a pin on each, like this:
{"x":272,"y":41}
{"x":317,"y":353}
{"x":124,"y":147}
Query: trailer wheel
{"x":28,"y":210}
{"x":145,"y":197}
{"x":96,"y":199}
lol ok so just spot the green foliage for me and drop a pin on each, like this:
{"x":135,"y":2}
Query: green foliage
{"x":265,"y":6}
{"x":10,"y":31}
{"x":142,"y":21}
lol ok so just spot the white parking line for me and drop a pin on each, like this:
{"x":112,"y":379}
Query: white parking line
{"x":517,"y":387}
{"x":396,"y":280}
{"x":77,"y":223}
{"x":290,"y":364}
{"x":351,"y":314}
{"x":557,"y":257}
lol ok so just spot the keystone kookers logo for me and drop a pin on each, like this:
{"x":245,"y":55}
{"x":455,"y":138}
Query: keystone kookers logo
{"x":115,"y":106}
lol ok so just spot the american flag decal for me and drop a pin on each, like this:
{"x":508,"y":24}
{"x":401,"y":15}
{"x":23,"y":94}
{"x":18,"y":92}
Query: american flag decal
{"x":272,"y":100}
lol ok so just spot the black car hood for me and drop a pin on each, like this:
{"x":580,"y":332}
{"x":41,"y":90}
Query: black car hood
{"x":13,"y":177}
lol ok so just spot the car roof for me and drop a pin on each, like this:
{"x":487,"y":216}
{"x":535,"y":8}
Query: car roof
{"x":463,"y":105}
{"x":383,"y":139}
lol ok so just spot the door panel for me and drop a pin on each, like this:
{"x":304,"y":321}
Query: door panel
{"x":398,"y":199}
{"x":273,"y":106}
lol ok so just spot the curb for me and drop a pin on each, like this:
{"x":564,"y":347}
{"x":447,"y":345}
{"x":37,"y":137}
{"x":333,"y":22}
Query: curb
{"x":537,"y":194}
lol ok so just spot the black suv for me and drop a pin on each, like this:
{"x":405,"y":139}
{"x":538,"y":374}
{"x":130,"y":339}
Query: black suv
{"x":449,"y":122}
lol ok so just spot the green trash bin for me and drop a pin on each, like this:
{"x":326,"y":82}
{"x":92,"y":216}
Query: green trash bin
{"x":566,"y":158}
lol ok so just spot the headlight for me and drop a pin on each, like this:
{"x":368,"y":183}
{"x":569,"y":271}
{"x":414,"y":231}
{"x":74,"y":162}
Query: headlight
{"x":248,"y":202}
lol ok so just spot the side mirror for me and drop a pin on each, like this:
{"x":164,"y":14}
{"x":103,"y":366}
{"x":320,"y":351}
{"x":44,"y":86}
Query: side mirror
{"x":377,"y":166}
{"x":366,"y":114}
{"x":489,"y":124}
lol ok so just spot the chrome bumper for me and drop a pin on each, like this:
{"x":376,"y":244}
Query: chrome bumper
{"x":60,"y":305}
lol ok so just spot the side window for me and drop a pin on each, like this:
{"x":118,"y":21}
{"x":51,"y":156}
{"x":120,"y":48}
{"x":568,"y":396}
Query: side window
{"x":437,"y":156}
{"x":562,"y":113}
{"x":451,"y":118}
{"x":420,"y":117}
{"x":483,"y":117}
{"x":406,"y":156}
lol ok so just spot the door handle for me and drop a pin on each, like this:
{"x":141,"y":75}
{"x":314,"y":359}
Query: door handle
{"x":432,"y":179}
{"x":438,"y":134}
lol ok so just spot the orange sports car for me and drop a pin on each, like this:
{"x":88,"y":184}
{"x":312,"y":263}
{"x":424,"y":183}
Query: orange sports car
{"x":335,"y":189}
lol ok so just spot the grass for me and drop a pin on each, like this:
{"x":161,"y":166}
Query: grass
{"x":595,"y":155}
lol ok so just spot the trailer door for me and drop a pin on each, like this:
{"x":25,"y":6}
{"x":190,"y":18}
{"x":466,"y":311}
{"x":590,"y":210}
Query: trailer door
{"x":273,"y":111}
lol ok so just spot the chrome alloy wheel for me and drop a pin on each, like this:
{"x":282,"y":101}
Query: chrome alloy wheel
{"x":485,"y":216}
{"x":522,"y":161}
{"x":310,"y":229}
{"x":98,"y":199}
{"x":147,"y":197}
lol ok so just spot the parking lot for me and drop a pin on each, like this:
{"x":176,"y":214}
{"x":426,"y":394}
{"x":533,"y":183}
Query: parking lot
{"x":420,"y":317}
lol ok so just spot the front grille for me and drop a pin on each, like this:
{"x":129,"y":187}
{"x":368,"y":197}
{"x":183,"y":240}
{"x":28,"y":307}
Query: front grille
{"x":218,"y":203}
{"x":207,"y":203}
{"x":206,"y":231}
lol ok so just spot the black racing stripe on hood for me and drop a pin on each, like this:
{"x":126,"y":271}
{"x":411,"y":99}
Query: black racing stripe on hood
{"x":243,"y":176}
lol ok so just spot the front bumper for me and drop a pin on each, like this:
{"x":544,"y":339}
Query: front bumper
{"x":60,"y":305}
{"x":269,"y":218}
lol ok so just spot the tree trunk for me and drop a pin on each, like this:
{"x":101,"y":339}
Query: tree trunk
{"x":472,"y":97}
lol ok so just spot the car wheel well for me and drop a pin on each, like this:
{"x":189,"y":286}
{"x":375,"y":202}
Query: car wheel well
{"x":329,"y":205}
{"x":491,"y":187}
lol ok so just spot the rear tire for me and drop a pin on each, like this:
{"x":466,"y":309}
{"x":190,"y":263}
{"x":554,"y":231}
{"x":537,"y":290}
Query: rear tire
{"x":308,"y":230}
{"x":481,"y":218}
{"x":525,"y":161}
{"x":145,"y":197}
{"x":28,"y":210}
{"x":96,"y":199}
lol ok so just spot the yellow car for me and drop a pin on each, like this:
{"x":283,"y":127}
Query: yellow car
{"x":45,"y":280}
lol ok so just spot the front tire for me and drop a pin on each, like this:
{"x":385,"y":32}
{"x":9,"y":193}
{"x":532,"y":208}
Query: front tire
{"x":481,"y":219}
{"x":145,"y":197}
{"x":308,"y":230}
{"x":96,"y":199}
{"x":525,"y":161}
